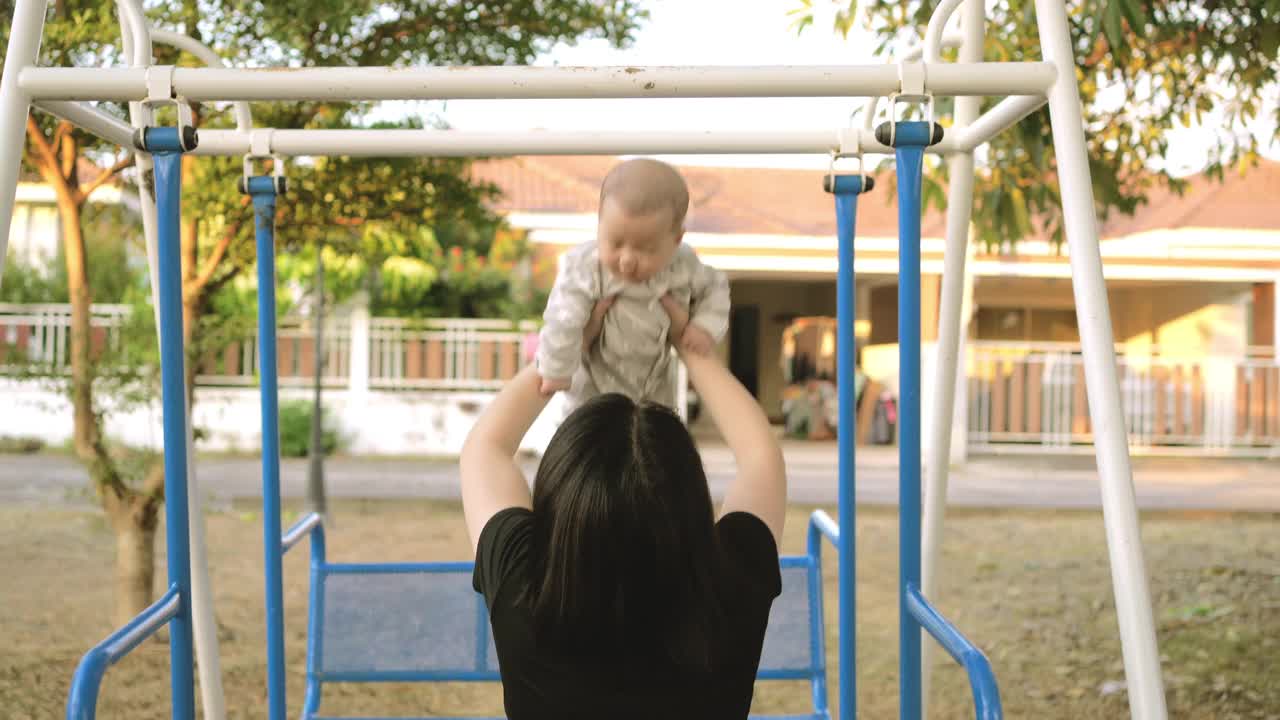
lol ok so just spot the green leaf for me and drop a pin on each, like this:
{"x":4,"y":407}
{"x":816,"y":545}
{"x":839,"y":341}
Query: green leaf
{"x":1135,"y":12}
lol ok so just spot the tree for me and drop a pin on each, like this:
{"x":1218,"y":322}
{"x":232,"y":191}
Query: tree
{"x":1146,"y":67}
{"x":217,"y":226}
{"x":77,"y":34}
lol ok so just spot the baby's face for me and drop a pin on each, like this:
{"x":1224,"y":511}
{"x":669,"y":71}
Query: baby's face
{"x":636,"y":247}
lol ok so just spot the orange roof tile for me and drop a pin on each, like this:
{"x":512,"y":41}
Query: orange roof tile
{"x":729,"y":200}
{"x":722,"y":200}
{"x":1239,"y":202}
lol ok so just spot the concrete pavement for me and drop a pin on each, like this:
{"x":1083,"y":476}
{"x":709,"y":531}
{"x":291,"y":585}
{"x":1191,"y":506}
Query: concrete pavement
{"x":1020,"y":481}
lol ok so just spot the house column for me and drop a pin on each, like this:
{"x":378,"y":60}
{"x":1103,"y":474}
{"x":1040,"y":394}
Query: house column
{"x":960,"y":408}
{"x":862,"y":314}
{"x":358,"y":367}
{"x":930,"y":297}
{"x":1266,"y":316}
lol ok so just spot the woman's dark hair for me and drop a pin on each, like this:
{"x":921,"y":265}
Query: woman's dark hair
{"x":624,"y":545}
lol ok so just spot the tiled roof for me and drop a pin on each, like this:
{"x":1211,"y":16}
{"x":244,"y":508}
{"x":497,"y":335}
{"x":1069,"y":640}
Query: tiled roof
{"x":722,"y":200}
{"x":729,"y":200}
{"x":1241,"y":201}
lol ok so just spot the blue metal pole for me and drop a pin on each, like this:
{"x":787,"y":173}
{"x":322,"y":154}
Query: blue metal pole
{"x":846,"y":189}
{"x":910,"y":140}
{"x":165,"y":145}
{"x":263,"y":192}
{"x":846,"y":210}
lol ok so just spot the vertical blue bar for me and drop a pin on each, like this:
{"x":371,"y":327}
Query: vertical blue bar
{"x":264,"y":214}
{"x":846,"y":212}
{"x":168,"y":181}
{"x":910,"y":160}
{"x":315,"y":611}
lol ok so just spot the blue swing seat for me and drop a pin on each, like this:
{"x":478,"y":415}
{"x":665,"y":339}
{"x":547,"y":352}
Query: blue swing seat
{"x":422,"y":622}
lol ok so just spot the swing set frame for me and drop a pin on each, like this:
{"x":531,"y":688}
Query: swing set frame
{"x":917,"y":77}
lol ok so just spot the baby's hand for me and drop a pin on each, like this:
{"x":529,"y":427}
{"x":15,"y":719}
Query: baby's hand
{"x":696,"y":340}
{"x":550,"y":386}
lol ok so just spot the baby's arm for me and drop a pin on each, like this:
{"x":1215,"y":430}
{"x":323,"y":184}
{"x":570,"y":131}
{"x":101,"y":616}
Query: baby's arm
{"x":708,"y":308}
{"x":568,"y":311}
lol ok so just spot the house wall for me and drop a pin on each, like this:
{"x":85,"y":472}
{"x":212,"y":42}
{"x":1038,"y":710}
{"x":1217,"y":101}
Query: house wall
{"x":369,"y":422}
{"x":1198,"y":319}
{"x":884,"y":310}
{"x":779,"y":301}
{"x":33,"y":234}
{"x":1192,"y":318}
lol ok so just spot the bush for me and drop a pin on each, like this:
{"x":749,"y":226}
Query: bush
{"x":295,"y":429}
{"x":20,"y":444}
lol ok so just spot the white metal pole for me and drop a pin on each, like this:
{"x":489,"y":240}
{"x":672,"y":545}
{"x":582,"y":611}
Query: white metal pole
{"x":1119,"y":508}
{"x":24,"y":46}
{"x":947,"y":356}
{"x":1007,"y":113}
{"x":468,"y":143}
{"x":933,"y":33}
{"x":91,"y":119}
{"x":515,"y":82}
{"x":206,"y":55}
{"x":136,"y":41}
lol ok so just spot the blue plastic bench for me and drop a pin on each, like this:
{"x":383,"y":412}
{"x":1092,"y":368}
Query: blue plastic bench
{"x":422,"y":622}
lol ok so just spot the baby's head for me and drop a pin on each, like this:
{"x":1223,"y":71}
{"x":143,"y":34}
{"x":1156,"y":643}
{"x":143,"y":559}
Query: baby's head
{"x":642,"y":207}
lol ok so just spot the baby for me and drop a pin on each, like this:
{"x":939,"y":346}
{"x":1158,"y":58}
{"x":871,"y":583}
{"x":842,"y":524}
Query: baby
{"x":636,"y":259}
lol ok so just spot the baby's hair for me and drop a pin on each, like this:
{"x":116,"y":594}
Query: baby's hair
{"x":642,"y":186}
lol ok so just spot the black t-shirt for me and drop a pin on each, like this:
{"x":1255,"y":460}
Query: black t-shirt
{"x":539,"y":685}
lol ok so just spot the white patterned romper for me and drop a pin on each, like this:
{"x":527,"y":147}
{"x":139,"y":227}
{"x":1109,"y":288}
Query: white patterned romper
{"x":631,"y":355}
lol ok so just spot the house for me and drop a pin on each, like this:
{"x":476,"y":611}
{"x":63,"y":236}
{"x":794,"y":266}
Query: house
{"x":1192,"y":283}
{"x":1191,"y":279}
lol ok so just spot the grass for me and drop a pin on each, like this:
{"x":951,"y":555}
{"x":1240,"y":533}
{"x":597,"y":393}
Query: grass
{"x":1033,"y":589}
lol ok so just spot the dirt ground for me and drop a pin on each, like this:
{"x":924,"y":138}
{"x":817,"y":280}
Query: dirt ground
{"x":1032,"y":588}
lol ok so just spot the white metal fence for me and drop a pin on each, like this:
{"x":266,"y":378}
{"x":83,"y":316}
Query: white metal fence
{"x":1033,"y":396}
{"x":40,"y":335}
{"x":237,"y":362}
{"x":1021,"y":396}
{"x":358,"y":352}
{"x":449,"y":354}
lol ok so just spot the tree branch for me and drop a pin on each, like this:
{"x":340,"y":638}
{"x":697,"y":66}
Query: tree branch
{"x":59,"y":134}
{"x":387,"y":32}
{"x":69,"y":153}
{"x":103,"y":178}
{"x":153,"y":485}
{"x":42,"y":146}
{"x":102,"y":469}
{"x":215,"y":257}
{"x":213,"y":285}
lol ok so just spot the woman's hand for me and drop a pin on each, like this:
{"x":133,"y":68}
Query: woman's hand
{"x":591,"y":332}
{"x":686,"y":336}
{"x":679,"y":316}
{"x":596,"y":322}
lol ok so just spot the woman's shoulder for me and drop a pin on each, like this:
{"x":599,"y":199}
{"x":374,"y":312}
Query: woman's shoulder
{"x":749,"y":551}
{"x":503,"y":551}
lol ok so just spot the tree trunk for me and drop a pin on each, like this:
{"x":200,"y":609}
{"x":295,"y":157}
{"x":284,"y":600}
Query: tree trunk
{"x":315,"y":469}
{"x":86,"y":425}
{"x":192,"y":297}
{"x":134,"y":520}
{"x":133,"y":514}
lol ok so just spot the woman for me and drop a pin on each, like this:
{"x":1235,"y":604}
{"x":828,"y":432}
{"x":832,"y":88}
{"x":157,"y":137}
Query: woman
{"x":614,"y":592}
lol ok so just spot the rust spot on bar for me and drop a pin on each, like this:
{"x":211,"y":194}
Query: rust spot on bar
{"x":650,"y":86}
{"x":633,"y":70}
